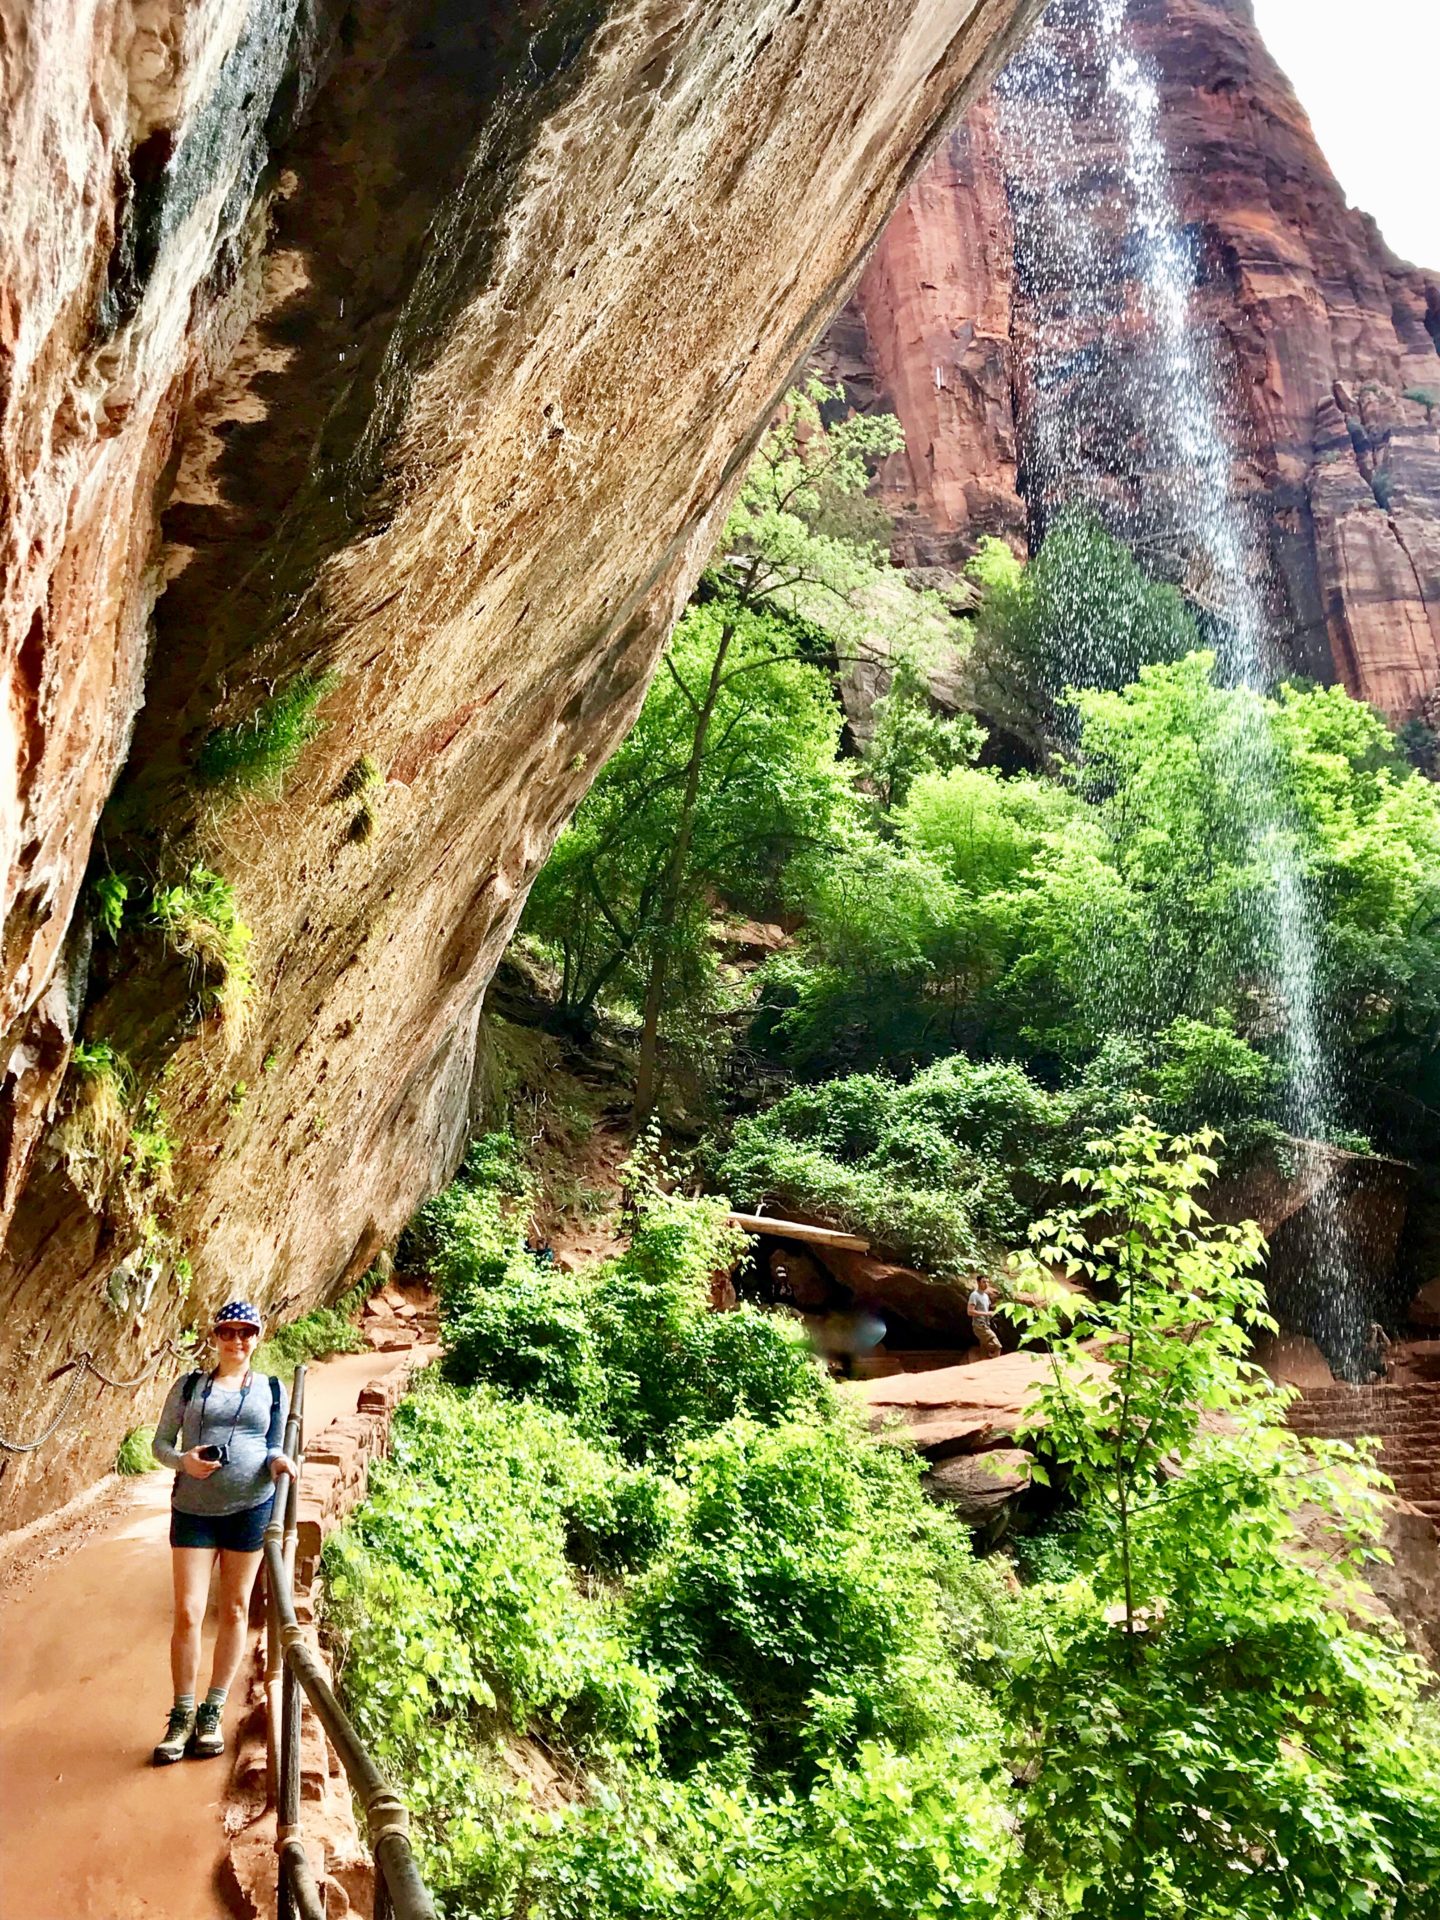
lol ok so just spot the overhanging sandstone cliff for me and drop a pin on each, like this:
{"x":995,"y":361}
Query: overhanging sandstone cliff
{"x":411,"y":346}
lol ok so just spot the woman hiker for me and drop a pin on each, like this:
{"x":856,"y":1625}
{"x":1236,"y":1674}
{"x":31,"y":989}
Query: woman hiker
{"x":223,"y":1433}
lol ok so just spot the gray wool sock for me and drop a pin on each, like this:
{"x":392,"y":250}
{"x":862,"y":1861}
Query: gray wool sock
{"x":216,"y":1696}
{"x":185,"y":1700}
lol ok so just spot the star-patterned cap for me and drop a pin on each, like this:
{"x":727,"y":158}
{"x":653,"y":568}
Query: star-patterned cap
{"x":238,"y":1313}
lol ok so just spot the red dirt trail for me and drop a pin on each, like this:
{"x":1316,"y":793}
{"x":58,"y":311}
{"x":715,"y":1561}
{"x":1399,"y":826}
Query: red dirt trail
{"x":89,"y":1829}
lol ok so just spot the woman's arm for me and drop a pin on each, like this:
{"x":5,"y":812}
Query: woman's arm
{"x":168,"y":1428}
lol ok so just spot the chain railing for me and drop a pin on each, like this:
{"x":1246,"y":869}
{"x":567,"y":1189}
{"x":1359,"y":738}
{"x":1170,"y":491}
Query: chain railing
{"x":291,"y":1667}
{"x":78,"y":1366}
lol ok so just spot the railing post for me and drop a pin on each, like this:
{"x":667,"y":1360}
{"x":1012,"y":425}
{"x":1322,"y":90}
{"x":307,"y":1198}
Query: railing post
{"x":287,"y":1812}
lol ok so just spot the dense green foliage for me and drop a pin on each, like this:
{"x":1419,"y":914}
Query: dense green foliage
{"x":946,"y":1168}
{"x":1211,"y":1725}
{"x":649,"y":1535}
{"x":256,"y":754}
{"x":911,"y":736}
{"x":759,"y":1675}
{"x":1129,"y":914}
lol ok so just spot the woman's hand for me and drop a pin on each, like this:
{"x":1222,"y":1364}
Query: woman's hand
{"x":282,"y":1463}
{"x":197,"y":1468}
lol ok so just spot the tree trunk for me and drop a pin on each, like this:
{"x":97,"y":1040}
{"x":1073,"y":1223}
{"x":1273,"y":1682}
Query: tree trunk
{"x":646,"y":1079}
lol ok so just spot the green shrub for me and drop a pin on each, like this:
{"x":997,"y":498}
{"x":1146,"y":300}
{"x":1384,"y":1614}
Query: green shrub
{"x":1194,"y":1074}
{"x":1082,"y":613}
{"x":945,"y":1169}
{"x":149,"y":1153}
{"x":813,"y":1601}
{"x":93,"y":1129}
{"x":458,"y":1225}
{"x":529,"y":1335}
{"x":199,"y":920}
{"x":1052,"y":1554}
{"x":110,"y":892}
{"x":136,"y":1455}
{"x":255,"y":755}
{"x":887,"y":1836}
{"x":672,"y":1368}
{"x":621,"y":1519}
{"x":322,"y":1331}
{"x":458,"y":1617}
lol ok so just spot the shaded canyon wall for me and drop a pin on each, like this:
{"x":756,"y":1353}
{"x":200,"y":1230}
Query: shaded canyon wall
{"x":407,"y":350}
{"x":1316,"y":329}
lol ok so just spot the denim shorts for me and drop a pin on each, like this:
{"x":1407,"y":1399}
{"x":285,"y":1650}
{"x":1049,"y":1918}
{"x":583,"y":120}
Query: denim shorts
{"x":242,"y":1532}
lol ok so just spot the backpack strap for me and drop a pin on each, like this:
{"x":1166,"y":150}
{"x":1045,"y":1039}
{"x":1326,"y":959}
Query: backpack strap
{"x":187,"y":1391}
{"x":274,"y":1391}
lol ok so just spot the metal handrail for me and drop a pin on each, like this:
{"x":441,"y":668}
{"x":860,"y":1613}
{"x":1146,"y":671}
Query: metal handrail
{"x":290,"y":1667}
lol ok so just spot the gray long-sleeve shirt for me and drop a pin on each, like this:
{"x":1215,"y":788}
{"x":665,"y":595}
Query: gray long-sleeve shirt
{"x":257,"y":1416}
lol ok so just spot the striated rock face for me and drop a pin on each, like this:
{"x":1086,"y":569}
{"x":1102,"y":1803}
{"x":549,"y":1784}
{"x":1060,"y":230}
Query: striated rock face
{"x":412,"y":345}
{"x":926,"y":335}
{"x":1317,"y":332}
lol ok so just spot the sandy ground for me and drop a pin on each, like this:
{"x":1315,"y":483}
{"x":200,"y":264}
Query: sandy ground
{"x":89,"y":1829}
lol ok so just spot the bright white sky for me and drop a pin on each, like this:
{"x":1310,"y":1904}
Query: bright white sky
{"x":1368,"y":74}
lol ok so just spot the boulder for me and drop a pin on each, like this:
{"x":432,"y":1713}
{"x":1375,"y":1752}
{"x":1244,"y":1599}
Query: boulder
{"x":981,"y":1486}
{"x":1291,"y":1360}
{"x":957,"y":1410}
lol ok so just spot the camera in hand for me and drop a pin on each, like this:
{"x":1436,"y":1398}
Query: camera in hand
{"x":218,"y":1454}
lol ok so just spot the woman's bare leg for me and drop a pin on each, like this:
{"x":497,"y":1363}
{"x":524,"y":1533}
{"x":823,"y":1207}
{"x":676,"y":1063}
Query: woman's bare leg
{"x":191,"y":1568}
{"x":237,"y":1577}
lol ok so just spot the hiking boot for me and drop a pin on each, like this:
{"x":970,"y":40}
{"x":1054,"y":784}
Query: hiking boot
{"x":207,"y":1740}
{"x":177,"y":1734}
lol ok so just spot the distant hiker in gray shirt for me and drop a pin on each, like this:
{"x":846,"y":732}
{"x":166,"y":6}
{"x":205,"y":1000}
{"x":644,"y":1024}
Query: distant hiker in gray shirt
{"x":981,"y":1307}
{"x":223,"y":1432}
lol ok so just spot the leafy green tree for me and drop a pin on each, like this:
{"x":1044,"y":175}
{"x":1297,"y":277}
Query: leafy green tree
{"x":1202,"y":1727}
{"x":731,"y":765}
{"x":729,"y":770}
{"x":1082,"y":613}
{"x":913,"y":736}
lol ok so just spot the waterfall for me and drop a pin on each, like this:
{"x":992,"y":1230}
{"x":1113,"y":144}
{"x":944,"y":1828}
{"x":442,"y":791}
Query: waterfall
{"x":1127,"y":416}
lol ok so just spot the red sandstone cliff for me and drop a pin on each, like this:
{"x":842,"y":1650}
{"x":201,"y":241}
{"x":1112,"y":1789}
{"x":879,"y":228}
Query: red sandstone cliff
{"x":1317,"y":329}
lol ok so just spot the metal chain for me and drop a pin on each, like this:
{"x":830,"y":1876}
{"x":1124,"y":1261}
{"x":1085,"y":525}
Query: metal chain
{"x":83,"y":1363}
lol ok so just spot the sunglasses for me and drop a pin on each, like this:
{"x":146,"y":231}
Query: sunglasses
{"x":235,"y":1330}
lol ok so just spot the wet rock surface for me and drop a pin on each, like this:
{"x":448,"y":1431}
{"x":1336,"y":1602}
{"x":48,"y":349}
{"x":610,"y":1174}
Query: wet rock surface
{"x":416,"y":347}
